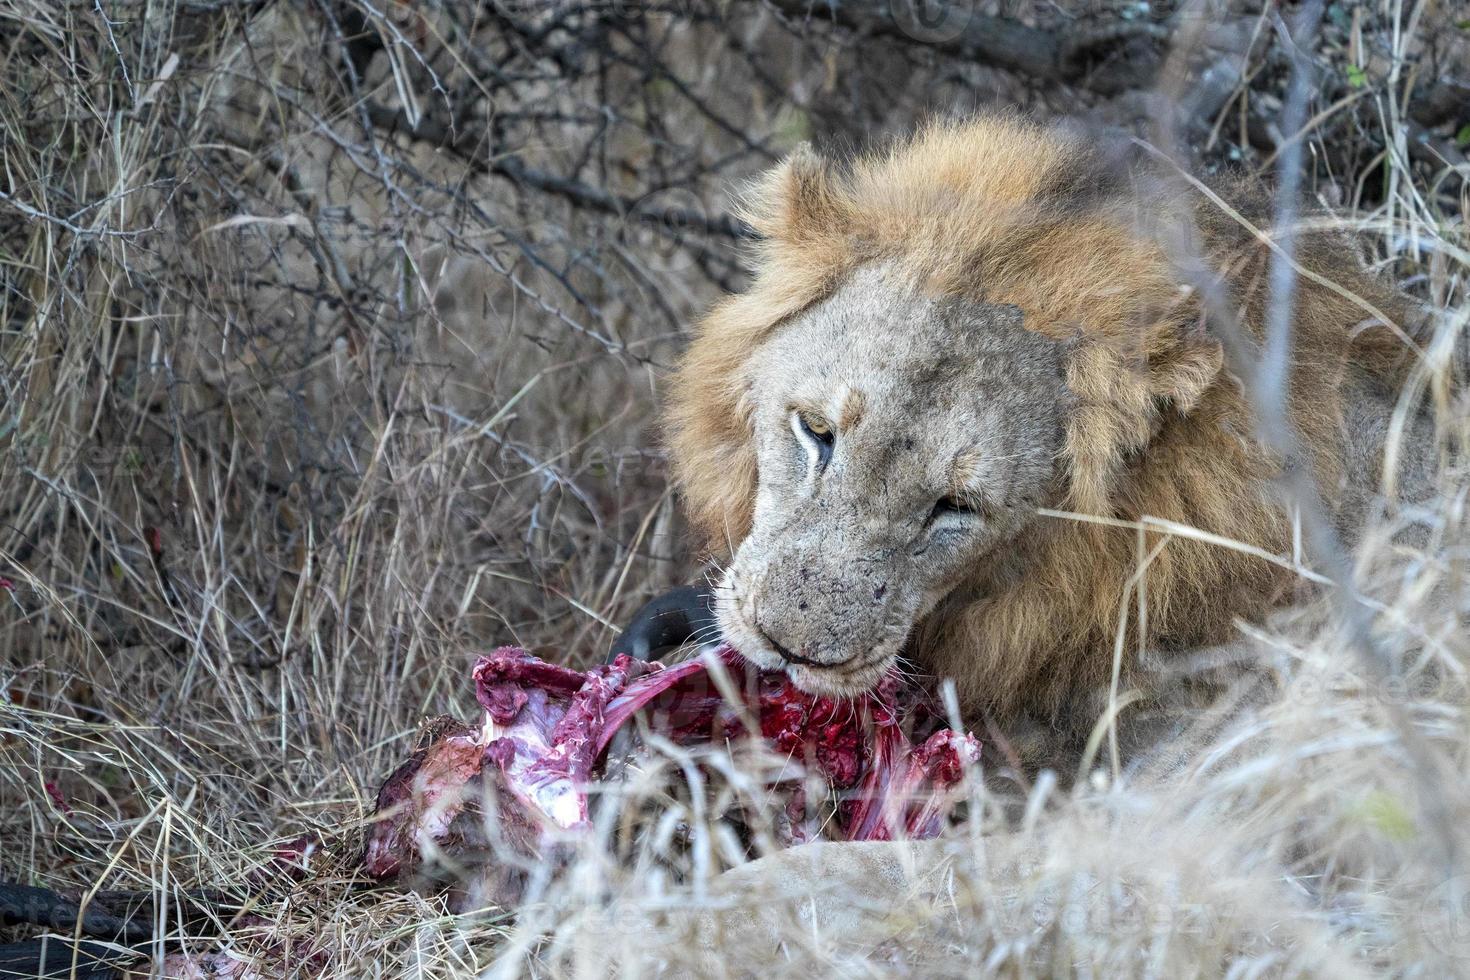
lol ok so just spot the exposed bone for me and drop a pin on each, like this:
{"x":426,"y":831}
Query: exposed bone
{"x":526,"y":770}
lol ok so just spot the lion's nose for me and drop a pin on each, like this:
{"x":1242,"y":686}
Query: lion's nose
{"x":781,"y":650}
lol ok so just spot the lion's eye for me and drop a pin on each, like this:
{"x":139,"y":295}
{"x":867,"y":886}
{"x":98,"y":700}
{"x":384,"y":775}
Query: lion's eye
{"x":819,"y":431}
{"x":952,"y":505}
{"x":816,"y":427}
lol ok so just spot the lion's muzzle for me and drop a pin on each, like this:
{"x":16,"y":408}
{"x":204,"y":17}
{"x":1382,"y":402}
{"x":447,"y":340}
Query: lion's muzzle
{"x":832,"y":621}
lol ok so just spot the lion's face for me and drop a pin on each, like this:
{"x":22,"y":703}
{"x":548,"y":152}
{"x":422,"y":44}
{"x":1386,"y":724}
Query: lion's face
{"x":901,"y":441}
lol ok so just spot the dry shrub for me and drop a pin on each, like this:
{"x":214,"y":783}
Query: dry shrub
{"x":331,"y":343}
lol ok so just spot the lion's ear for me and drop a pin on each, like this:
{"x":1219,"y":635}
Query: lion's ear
{"x":1122,"y":405}
{"x":1180,"y":376}
{"x":798,"y":199}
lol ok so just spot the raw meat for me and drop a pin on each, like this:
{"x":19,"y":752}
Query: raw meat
{"x":526,"y":770}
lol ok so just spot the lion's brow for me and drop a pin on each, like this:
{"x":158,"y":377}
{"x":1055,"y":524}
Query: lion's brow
{"x":854,"y":403}
{"x":969,"y":466}
{"x":965,"y":471}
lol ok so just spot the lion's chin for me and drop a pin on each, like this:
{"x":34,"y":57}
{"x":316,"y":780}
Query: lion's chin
{"x":837,"y":682}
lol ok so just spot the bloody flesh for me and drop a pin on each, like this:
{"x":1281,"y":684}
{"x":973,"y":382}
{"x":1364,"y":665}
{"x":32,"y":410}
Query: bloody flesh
{"x":540,"y":746}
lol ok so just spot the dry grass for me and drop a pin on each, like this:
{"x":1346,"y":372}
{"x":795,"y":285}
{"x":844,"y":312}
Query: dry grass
{"x":298,"y":414}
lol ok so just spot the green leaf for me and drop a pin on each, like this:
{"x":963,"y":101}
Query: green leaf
{"x":793,"y":124}
{"x":1462,"y":138}
{"x":1386,"y":815}
{"x":659,"y":88}
{"x":1356,"y":77}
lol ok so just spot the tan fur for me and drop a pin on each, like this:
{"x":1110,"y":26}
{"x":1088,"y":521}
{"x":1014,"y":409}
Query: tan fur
{"x":1002,"y":211}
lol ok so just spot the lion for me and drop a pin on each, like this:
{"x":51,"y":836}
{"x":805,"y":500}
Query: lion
{"x":956,"y":341}
{"x":983,"y":415}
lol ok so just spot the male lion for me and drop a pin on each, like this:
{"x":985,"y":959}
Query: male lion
{"x":965,"y":372}
{"x":988,"y":320}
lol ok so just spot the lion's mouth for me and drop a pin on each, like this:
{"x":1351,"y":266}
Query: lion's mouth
{"x":851,"y":677}
{"x":740,"y":628}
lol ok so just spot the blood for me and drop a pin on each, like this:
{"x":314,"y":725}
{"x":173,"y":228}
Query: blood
{"x":530,"y":765}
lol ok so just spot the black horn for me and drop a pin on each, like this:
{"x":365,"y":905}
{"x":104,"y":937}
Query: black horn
{"x":666,"y":622}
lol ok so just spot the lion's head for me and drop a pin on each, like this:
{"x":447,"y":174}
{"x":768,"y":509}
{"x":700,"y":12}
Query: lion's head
{"x":899,"y":438}
{"x":938,"y":338}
